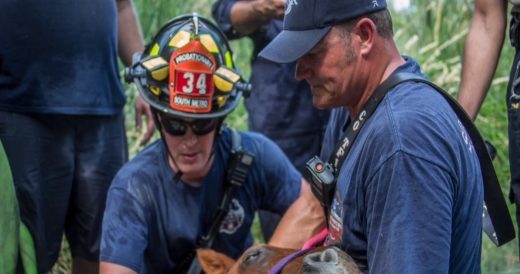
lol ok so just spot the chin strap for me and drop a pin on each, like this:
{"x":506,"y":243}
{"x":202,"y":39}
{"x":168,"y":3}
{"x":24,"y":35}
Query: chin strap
{"x":177,"y":176}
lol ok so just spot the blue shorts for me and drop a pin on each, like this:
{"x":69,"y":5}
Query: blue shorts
{"x":62,"y":166}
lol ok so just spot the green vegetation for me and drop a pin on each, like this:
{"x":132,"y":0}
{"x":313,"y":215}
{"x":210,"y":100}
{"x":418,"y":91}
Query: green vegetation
{"x":9,"y":217}
{"x":433,"y":32}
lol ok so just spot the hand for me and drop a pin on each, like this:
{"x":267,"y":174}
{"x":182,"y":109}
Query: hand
{"x":142,"y":108}
{"x":270,"y":9}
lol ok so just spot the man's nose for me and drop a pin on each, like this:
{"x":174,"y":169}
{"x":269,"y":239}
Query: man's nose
{"x":190,"y":137}
{"x":303,"y":70}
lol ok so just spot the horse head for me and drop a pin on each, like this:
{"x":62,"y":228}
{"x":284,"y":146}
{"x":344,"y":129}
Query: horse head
{"x":262,"y":258}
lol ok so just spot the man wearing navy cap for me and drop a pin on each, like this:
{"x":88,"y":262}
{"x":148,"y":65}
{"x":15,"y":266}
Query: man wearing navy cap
{"x":409,"y":190}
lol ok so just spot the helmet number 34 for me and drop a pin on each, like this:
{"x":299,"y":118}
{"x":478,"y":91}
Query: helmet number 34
{"x":191,"y":81}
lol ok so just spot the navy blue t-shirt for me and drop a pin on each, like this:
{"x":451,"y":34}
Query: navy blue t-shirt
{"x":151,"y":222}
{"x":59,"y":56}
{"x":409,"y":195}
{"x":279,"y":106}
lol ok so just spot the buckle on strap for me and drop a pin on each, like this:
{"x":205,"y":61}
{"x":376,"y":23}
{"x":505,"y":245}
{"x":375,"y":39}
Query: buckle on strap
{"x":238,"y":168}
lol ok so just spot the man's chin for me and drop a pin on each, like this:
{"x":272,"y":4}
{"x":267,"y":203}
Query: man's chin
{"x":190,"y":168}
{"x":320,"y":104}
{"x":191,"y":173}
{"x":196,"y":167}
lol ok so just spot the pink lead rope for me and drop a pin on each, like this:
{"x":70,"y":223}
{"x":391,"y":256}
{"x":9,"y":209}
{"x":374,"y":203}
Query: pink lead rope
{"x":316,"y":240}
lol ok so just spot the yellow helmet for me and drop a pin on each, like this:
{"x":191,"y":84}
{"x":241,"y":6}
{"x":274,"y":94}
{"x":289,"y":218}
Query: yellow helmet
{"x":187,"y":70}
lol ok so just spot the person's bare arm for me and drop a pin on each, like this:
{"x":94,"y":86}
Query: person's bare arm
{"x":304,"y":218}
{"x":130,"y":41}
{"x":110,"y":268}
{"x":247,"y":16}
{"x":481,"y":52}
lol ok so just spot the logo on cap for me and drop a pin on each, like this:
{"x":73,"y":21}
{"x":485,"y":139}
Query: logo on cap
{"x":375,"y":4}
{"x":289,"y":6}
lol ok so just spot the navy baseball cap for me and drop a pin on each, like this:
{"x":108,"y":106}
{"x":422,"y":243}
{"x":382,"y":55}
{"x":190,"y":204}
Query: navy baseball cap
{"x":306,"y":22}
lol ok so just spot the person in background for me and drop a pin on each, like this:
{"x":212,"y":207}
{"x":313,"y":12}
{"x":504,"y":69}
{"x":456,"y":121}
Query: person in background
{"x":61,"y":103}
{"x":279,"y":107}
{"x":163,"y":204}
{"x":481,"y":53}
{"x":409,"y":187}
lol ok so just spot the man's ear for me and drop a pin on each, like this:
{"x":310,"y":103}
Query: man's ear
{"x":366,"y":31}
{"x":213,"y":262}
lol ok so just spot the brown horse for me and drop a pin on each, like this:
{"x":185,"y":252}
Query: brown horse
{"x":262,"y":259}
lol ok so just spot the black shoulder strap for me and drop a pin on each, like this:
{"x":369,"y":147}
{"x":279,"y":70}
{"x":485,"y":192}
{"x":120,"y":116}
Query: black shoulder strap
{"x":497,"y":222}
{"x":341,"y":150}
{"x":238,"y":167}
{"x":500,"y":228}
{"x":236,"y":140}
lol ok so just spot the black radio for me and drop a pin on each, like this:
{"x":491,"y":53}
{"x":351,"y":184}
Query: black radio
{"x":322,"y":180}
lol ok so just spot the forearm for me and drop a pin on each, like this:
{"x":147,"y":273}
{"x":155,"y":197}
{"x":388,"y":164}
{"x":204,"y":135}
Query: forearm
{"x":245,"y":18}
{"x":481,"y":52}
{"x":110,"y":268}
{"x":248,"y":16}
{"x":130,"y":39}
{"x":304,"y":218}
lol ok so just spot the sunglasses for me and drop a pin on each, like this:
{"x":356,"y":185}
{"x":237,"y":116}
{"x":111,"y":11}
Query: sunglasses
{"x":177,"y":127}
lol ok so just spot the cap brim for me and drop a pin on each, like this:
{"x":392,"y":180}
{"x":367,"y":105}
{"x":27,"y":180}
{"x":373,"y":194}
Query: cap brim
{"x":289,"y":45}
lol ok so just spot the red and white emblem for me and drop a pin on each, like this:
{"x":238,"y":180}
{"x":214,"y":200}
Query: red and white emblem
{"x":336,"y":221}
{"x":191,"y":78}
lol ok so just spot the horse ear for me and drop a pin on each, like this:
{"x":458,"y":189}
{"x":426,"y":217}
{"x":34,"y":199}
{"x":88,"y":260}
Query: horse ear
{"x":213,"y":262}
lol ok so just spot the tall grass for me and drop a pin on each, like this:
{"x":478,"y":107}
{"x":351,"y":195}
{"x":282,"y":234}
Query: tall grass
{"x":433,"y":32}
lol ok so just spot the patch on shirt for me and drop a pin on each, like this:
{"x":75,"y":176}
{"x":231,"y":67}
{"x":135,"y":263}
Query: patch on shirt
{"x":234,"y":219}
{"x":336,"y":221}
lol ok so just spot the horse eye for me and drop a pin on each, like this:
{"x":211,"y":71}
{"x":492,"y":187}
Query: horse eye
{"x":253,"y":256}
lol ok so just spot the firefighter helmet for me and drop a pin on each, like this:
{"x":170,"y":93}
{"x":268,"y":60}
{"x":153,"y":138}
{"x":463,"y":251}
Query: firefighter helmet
{"x":187,"y":70}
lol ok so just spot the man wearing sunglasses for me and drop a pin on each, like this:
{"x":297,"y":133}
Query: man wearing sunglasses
{"x":163,"y":204}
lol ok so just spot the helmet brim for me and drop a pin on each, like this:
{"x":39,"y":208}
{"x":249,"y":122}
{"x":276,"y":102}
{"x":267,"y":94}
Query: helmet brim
{"x":154,"y":102}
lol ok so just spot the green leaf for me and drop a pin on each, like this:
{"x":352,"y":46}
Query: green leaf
{"x":9,"y":218}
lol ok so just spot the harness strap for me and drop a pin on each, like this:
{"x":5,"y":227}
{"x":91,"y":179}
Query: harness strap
{"x":497,"y":221}
{"x":238,"y":167}
{"x":351,"y":132}
{"x":514,"y":30}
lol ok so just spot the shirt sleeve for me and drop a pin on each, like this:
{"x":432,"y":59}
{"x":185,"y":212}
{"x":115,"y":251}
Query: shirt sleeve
{"x":124,"y":232}
{"x":221,"y":11}
{"x":409,"y":204}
